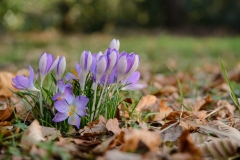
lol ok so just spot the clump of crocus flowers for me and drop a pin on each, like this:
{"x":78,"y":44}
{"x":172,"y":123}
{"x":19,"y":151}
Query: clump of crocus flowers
{"x":86,"y":92}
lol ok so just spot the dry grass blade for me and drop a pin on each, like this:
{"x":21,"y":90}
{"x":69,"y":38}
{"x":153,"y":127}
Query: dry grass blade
{"x":232,"y":132}
{"x":199,"y":138}
{"x":218,"y":128}
{"x":220,"y":149}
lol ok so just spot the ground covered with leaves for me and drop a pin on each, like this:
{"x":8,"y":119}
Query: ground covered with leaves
{"x":180,"y":116}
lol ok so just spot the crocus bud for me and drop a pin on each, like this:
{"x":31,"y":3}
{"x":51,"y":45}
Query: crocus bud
{"x":121,"y":67}
{"x":115,"y":44}
{"x":101,"y":67}
{"x":46,"y":64}
{"x":133,"y":63}
{"x":112,"y":56}
{"x":61,"y":66}
{"x":94,"y":61}
{"x":85,"y":61}
{"x":85,"y":64}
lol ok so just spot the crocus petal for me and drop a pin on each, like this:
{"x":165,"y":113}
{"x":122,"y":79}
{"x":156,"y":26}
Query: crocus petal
{"x":61,"y":106}
{"x":31,"y":76}
{"x":74,"y":120}
{"x":61,"y":66}
{"x":78,"y":69}
{"x":85,"y":61}
{"x":54,"y":64}
{"x":70,"y":76}
{"x":22,"y":81}
{"x":135,"y":63}
{"x":134,"y":87}
{"x":101,"y":66}
{"x":50,"y":59}
{"x":60,"y":117}
{"x":16,"y":85}
{"x":68,"y":95}
{"x":61,"y":85}
{"x":122,"y":67}
{"x":81,"y":102}
{"x":112,"y":56}
{"x":133,"y":78}
{"x":42,"y":65}
{"x":57,"y":96}
{"x":115,"y":44}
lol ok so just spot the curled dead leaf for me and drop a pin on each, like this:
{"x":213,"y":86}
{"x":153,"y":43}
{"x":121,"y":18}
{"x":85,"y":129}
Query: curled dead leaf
{"x":113,"y":125}
{"x":32,"y":135}
{"x":220,"y":148}
{"x":6,"y":110}
{"x":201,"y":138}
{"x":135,"y":137}
{"x":172,"y":134}
{"x":148,"y":103}
{"x":186,"y":145}
{"x":94,"y":128}
{"x":227,"y":110}
{"x":6,"y":84}
{"x":110,"y":143}
{"x":164,"y":111}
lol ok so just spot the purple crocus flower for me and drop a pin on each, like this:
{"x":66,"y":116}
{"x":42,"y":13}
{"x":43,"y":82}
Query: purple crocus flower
{"x":75,"y":73}
{"x":24,"y":83}
{"x":127,"y":64}
{"x":85,"y":64}
{"x":72,"y":107}
{"x":101,"y":67}
{"x":61,"y":87}
{"x":95,"y":57}
{"x":114,"y":44}
{"x":112,"y":57}
{"x":132,"y":82}
{"x":46,"y":64}
{"x":61,"y":66}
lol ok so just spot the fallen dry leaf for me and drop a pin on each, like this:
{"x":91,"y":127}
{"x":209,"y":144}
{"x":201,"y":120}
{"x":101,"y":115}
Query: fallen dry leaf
{"x":186,"y":145}
{"x":32,"y":135}
{"x":6,"y":83}
{"x":133,"y":138}
{"x":6,"y":111}
{"x":166,"y":90}
{"x":5,"y":123}
{"x":50,"y":133}
{"x":227,"y":110}
{"x":94,"y":128}
{"x":231,"y":132}
{"x":113,"y":125}
{"x":172,"y":134}
{"x":148,"y":103}
{"x":220,"y":148}
{"x":192,"y":104}
{"x":164,"y":111}
{"x":110,"y":143}
{"x":118,"y":155}
{"x":199,"y":138}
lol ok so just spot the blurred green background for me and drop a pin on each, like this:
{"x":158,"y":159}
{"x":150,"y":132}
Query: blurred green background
{"x":180,"y":34}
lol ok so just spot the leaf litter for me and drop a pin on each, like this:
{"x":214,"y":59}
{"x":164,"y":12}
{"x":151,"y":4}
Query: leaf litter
{"x":199,"y":121}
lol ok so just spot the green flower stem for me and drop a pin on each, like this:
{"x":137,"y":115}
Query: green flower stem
{"x":94,"y":102}
{"x":40,"y":99}
{"x":103,"y":90}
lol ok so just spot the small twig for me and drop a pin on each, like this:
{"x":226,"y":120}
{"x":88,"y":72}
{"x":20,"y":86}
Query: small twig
{"x":214,"y":111}
{"x":173,"y":123}
{"x":26,"y":117}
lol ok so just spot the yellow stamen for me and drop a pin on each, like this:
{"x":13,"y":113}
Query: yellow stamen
{"x":72,"y":110}
{"x":74,"y":72}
